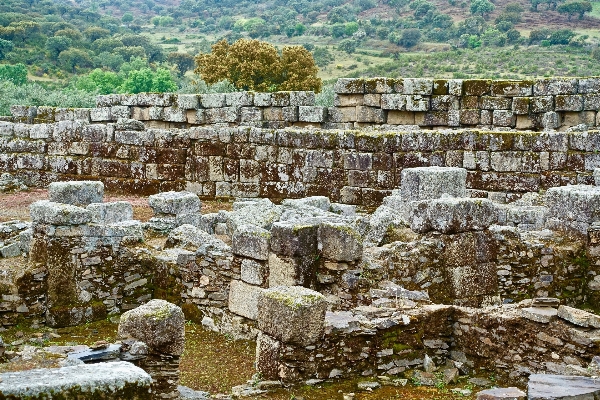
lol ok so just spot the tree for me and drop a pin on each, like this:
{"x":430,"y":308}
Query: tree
{"x":162,"y":81}
{"x":481,"y":7}
{"x":138,"y":81}
{"x":103,"y":82}
{"x":562,"y":36}
{"x":5,"y":47}
{"x":16,"y":74}
{"x":348,"y":45}
{"x":127,"y":18}
{"x":182,"y":61}
{"x":410,"y":37}
{"x":74,"y":58}
{"x":256,"y":65}
{"x":575,"y":7}
{"x":94,"y":33}
{"x":55,"y":45}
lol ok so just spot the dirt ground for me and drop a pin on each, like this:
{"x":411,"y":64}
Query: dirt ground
{"x":16,"y":205}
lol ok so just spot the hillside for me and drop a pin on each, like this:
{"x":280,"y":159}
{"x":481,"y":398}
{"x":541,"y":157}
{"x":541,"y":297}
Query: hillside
{"x":105,"y":46}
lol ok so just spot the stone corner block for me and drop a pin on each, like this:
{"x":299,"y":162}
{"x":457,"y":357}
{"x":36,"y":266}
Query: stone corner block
{"x":158,"y":323}
{"x":424,"y":183}
{"x":292,"y":314}
{"x":251,"y":241}
{"x":174,"y":203}
{"x":243,"y":299}
{"x":340,"y":242}
{"x":48,"y":212}
{"x":77,"y":193}
{"x":294,"y":239}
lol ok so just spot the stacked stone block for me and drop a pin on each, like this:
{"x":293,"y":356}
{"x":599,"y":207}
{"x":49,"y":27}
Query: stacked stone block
{"x":76,"y":240}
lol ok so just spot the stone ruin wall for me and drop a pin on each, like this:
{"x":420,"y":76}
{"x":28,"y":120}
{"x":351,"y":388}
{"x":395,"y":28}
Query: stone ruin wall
{"x":255,"y":145}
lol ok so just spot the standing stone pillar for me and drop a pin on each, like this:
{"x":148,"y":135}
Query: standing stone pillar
{"x":161,"y":325}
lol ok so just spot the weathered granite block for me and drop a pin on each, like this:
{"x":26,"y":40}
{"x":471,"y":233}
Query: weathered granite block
{"x":423,"y":183}
{"x":339,"y":242}
{"x":188,"y":101}
{"x":251,"y":241}
{"x":302,"y":98}
{"x":574,"y":203}
{"x":348,"y":100}
{"x":100,"y":114}
{"x":292,"y":314}
{"x":294,"y":239}
{"x":174,"y":203}
{"x":418,"y":86}
{"x":452,"y":215}
{"x":545,"y":87}
{"x":568,"y":103}
{"x":221,"y":115}
{"x":253,"y":272}
{"x":511,"y":393}
{"x":370,"y":114}
{"x":597,"y":176}
{"x":562,"y":387}
{"x":158,"y":323}
{"x":110,"y":213}
{"x":417,"y":103}
{"x":174,"y":114}
{"x":212,"y":100}
{"x":349,"y":85}
{"x":262,"y":99}
{"x":496,"y":103}
{"x":243,"y":299}
{"x":504,"y":118}
{"x":393,"y":102}
{"x":550,"y":120}
{"x":115,"y":380}
{"x":311,"y":114}
{"x":511,"y":88}
{"x":79,"y":193}
{"x":579,"y":317}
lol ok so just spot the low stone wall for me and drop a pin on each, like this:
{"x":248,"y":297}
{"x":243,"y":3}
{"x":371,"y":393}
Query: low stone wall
{"x":427,"y":103}
{"x":353,"y":167}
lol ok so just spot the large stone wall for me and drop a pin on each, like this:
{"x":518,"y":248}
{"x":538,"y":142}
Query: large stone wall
{"x":427,"y":103}
{"x":354,"y":167}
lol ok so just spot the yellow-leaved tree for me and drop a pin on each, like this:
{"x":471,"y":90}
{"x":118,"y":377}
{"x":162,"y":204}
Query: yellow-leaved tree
{"x":257,"y":65}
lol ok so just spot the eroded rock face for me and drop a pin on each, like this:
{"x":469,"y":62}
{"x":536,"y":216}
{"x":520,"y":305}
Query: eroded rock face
{"x":559,"y":387}
{"x":158,"y":323}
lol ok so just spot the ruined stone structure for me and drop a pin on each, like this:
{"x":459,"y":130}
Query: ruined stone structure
{"x":354,"y":160}
{"x":481,"y":254}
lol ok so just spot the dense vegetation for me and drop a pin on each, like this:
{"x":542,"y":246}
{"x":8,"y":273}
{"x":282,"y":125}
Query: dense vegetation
{"x":109,"y":46}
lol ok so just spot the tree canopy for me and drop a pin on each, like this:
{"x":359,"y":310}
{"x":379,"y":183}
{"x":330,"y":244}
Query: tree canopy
{"x":257,"y":65}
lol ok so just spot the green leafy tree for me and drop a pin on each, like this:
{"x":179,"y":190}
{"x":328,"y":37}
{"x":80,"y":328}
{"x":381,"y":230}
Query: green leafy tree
{"x":162,"y":81}
{"x":94,"y":33}
{"x":138,"y":81}
{"x":102,"y":82}
{"x":481,"y":7}
{"x":410,"y":37}
{"x":5,"y":47}
{"x":127,"y":18}
{"x":348,"y":45}
{"x":575,"y":8}
{"x":71,"y":59}
{"x":182,"y":61}
{"x":562,"y":36}
{"x":55,"y":45}
{"x":16,"y":74}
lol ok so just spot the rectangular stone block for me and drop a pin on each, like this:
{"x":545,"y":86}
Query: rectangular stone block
{"x":568,"y":103}
{"x":280,"y":99}
{"x":100,"y":114}
{"x":212,"y":100}
{"x":393,"y":102}
{"x":302,"y":98}
{"x":79,"y":193}
{"x":188,"y":101}
{"x":445,"y":103}
{"x":476,"y":87}
{"x":251,"y":241}
{"x":417,"y":103}
{"x":511,"y":88}
{"x":520,"y":105}
{"x":372,"y":100}
{"x":221,"y":115}
{"x":174,"y":114}
{"x":348,"y":100}
{"x":401,"y":118}
{"x":423,"y":183}
{"x":48,"y":212}
{"x":174,"y":203}
{"x":110,"y":213}
{"x":243,"y":299}
{"x":496,"y":103}
{"x":339,"y":242}
{"x":504,"y":118}
{"x":341,"y":114}
{"x":552,"y":87}
{"x":370,"y":114}
{"x":262,"y":99}
{"x":349,"y":85}
{"x":574,"y":203}
{"x":239,"y":99}
{"x":311,"y":114}
{"x":251,"y":114}
{"x":451,"y":216}
{"x":292,"y":314}
{"x":469,"y":117}
{"x":253,"y":272}
{"x":417,"y":86}
{"x":379,"y":85}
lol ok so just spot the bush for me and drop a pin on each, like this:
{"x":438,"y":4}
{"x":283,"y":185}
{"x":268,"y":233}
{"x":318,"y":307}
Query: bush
{"x":16,"y":74}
